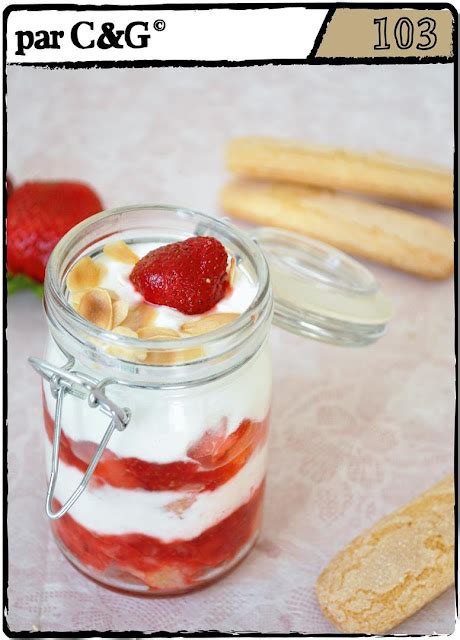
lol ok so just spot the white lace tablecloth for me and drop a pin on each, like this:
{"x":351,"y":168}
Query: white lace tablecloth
{"x":355,"y":433}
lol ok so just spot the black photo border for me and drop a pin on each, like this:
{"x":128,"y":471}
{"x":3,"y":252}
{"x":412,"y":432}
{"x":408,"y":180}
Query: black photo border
{"x":310,"y":59}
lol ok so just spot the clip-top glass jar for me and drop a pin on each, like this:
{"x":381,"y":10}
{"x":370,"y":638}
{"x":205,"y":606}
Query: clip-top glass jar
{"x":157,"y":465}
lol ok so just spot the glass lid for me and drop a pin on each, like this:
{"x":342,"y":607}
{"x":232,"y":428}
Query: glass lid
{"x":320,"y":292}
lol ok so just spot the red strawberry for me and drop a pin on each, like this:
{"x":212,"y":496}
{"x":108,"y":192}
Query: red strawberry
{"x":39,"y":214}
{"x":205,"y":451}
{"x":190,"y":276}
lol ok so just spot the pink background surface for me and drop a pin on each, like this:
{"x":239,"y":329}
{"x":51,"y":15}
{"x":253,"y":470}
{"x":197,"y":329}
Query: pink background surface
{"x":355,"y":433}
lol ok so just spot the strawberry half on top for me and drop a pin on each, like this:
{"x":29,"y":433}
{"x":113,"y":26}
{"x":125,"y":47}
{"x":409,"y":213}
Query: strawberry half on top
{"x":190,"y":276}
{"x":39,"y":215}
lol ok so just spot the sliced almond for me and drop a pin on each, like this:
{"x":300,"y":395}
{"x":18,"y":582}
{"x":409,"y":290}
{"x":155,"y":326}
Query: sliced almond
{"x":192,"y":353}
{"x":133,"y":355}
{"x":120,"y":310}
{"x":140,"y":315}
{"x":170,"y":356}
{"x":75,"y":298}
{"x":232,"y":271}
{"x":157,"y":333}
{"x":113,"y":295}
{"x":208,"y":323}
{"x":120,"y":252}
{"x":96,"y":306}
{"x":173,"y":357}
{"x":85,"y":274}
{"x":125,"y":331}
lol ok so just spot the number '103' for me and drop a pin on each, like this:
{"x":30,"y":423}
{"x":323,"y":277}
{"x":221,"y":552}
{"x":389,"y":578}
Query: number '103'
{"x":404,"y":33}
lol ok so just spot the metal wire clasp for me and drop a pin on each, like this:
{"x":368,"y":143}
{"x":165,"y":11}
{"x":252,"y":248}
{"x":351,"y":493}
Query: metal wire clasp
{"x":65,"y":381}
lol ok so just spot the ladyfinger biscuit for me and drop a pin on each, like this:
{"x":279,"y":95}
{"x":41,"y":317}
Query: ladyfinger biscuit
{"x":373,"y":174}
{"x":394,"y":568}
{"x":385,"y":234}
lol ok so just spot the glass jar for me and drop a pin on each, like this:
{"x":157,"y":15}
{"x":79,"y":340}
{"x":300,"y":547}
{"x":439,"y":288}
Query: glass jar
{"x":157,"y":470}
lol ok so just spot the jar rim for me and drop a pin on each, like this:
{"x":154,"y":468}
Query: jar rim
{"x":58,"y":306}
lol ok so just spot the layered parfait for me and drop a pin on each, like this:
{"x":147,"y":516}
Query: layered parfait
{"x":176,"y":498}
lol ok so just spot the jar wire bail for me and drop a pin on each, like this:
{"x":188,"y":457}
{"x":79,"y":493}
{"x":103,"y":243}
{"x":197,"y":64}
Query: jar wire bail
{"x":63,"y":380}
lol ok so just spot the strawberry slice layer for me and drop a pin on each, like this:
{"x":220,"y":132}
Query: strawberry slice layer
{"x":190,"y":276}
{"x":168,"y":567}
{"x":214,"y":459}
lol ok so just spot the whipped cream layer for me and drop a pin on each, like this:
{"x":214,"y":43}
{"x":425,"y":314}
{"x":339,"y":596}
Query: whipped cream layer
{"x":165,"y":423}
{"x":117,"y":279}
{"x":112,"y":511}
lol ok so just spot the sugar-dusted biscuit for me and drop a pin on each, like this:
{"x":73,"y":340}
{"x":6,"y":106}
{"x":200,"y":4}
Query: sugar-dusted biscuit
{"x":397,"y":238}
{"x":375,"y":174}
{"x":394,"y":568}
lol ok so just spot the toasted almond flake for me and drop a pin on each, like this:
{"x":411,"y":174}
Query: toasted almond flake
{"x":125,"y":331}
{"x":208,"y":323}
{"x":126,"y":353}
{"x":161,"y":357}
{"x":157,"y":333}
{"x":85,"y":274}
{"x":171,"y":356}
{"x":75,"y":298}
{"x":96,"y":306}
{"x":192,"y":353}
{"x":140,"y":315}
{"x":113,"y":295}
{"x":120,"y":310}
{"x":232,"y":271}
{"x":174,"y":357}
{"x":132,"y":355}
{"x":120,"y":252}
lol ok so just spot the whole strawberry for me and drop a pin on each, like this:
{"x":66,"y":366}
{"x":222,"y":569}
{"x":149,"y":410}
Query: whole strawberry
{"x":190,"y":276}
{"x":39,"y":214}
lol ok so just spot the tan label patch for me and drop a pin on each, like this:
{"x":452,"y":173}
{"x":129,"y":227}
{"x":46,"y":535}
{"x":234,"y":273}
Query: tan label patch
{"x":395,"y":33}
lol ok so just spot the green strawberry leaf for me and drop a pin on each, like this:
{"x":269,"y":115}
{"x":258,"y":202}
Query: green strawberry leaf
{"x":20,"y":282}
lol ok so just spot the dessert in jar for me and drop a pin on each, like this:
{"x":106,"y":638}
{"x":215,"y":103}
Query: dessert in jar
{"x":157,"y":384}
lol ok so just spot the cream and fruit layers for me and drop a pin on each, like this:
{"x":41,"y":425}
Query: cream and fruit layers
{"x":189,"y":458}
